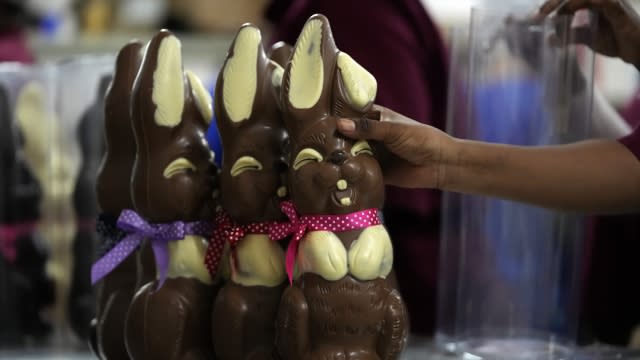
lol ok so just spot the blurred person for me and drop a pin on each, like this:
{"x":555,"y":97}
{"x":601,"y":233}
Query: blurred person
{"x":15,"y":17}
{"x":589,"y":176}
{"x":611,"y":307}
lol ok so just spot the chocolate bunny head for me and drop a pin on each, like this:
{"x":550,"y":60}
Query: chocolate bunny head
{"x":252,"y":132}
{"x":329,"y":174}
{"x":114,"y":175}
{"x":174,"y":174}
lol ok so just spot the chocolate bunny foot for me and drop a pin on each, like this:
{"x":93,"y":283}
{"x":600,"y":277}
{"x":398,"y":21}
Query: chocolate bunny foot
{"x":171,"y":323}
{"x":244,"y":325}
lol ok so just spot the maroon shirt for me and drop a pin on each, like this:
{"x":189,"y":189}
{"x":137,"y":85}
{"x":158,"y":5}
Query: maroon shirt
{"x":13,"y":45}
{"x":611,"y":308}
{"x":400,"y":45}
{"x":632,"y":142}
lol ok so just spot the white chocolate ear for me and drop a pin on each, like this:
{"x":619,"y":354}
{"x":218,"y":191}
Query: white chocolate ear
{"x":276,"y":74}
{"x":240,"y":75}
{"x":168,"y":87}
{"x":201,"y":96}
{"x":360,"y":85}
{"x":307,"y":70}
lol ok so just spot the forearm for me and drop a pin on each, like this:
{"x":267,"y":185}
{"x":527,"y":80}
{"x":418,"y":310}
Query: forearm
{"x":591,"y":176}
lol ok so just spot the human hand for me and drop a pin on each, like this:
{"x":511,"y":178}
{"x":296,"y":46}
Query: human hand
{"x":618,"y":31}
{"x":412,"y":154}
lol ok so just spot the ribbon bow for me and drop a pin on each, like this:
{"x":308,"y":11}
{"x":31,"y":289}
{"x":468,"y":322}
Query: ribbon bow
{"x":9,"y":235}
{"x":137,"y":230}
{"x":299,"y":225}
{"x":229,"y":231}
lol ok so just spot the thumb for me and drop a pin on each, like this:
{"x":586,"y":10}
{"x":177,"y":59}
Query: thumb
{"x":368,"y":129}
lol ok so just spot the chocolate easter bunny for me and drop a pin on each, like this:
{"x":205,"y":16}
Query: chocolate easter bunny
{"x":341,"y":304}
{"x":25,"y":289}
{"x":174,"y":177}
{"x":253,"y":166}
{"x":115,"y":291}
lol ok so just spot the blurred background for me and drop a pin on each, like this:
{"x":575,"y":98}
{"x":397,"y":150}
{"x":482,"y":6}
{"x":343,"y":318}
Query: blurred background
{"x":66,"y":27}
{"x":56,"y":58}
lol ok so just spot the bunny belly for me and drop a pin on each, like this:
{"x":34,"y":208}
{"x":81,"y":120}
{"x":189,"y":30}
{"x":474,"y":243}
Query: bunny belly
{"x":258,"y":262}
{"x":186,"y":259}
{"x":369,"y":257}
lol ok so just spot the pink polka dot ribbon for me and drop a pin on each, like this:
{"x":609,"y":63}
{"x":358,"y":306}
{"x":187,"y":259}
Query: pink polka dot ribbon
{"x":160,"y":235}
{"x":228,"y":231}
{"x":298,"y":226}
{"x":9,"y":235}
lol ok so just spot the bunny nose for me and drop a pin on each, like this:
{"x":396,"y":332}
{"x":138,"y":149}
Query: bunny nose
{"x":338,"y":157}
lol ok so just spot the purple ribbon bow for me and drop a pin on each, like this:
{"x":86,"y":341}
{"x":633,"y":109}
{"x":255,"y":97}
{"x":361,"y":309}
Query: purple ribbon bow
{"x":137,"y":230}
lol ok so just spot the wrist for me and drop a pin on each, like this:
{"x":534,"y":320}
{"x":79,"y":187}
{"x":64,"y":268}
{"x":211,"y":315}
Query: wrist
{"x":448,"y":161}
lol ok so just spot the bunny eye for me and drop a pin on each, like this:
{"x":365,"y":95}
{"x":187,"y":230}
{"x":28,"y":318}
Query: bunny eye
{"x":305,"y":157}
{"x":178,"y":166}
{"x":245,"y":163}
{"x":361,"y":147}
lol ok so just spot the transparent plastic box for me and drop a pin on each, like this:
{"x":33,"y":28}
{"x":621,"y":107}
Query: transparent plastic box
{"x":511,"y":274}
{"x":51,"y":138}
{"x":27,"y":290}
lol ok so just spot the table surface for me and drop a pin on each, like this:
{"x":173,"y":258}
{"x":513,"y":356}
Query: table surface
{"x":418,"y":349}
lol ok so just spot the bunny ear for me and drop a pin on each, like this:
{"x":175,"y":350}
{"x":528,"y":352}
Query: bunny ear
{"x":201,"y":96}
{"x":118,"y":94}
{"x":280,"y":53}
{"x":115,"y":171}
{"x":238,"y":83}
{"x":310,"y":68}
{"x":354,"y":88}
{"x":162,"y":75}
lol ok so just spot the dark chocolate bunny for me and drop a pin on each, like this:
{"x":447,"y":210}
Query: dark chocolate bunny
{"x":173,"y":184}
{"x":253,"y":166}
{"x":341,"y":304}
{"x":115,"y":291}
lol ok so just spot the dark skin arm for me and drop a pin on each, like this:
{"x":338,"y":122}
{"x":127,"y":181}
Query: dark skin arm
{"x":589,"y":176}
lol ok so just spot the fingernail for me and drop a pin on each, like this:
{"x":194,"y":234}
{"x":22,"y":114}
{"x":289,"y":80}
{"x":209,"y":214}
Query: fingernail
{"x":346,"y":125}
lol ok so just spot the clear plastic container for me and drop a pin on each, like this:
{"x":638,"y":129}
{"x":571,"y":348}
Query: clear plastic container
{"x":81,"y":84}
{"x":511,"y":274}
{"x":27,"y":289}
{"x":52,"y":135}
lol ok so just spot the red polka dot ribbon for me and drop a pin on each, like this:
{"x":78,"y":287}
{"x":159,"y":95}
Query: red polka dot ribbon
{"x":228,"y":231}
{"x":298,"y":226}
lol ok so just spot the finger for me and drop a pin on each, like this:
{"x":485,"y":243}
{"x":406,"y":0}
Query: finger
{"x":363,"y":128}
{"x":582,"y":35}
{"x":368,"y":129}
{"x":388,"y":115}
{"x":548,"y":7}
{"x":599,"y":5}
